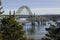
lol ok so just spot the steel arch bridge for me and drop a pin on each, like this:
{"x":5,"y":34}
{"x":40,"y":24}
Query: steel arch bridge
{"x":22,"y":7}
{"x":30,"y":16}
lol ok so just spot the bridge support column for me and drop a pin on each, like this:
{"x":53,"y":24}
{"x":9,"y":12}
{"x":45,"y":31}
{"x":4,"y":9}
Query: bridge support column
{"x":38,"y":23}
{"x":32,"y":23}
{"x":41,"y":21}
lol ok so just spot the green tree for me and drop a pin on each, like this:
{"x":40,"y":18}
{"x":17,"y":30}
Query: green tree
{"x":11,"y":30}
{"x":53,"y":32}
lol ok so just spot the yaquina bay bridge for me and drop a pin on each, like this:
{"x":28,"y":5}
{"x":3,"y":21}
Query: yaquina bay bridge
{"x":30,"y":17}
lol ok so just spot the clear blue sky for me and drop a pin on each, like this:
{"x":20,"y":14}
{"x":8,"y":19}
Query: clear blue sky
{"x":13,"y":4}
{"x":31,"y":3}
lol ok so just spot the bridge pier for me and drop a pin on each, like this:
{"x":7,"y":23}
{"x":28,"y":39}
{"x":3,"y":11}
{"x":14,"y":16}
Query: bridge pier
{"x":41,"y":21}
{"x":32,"y":23}
{"x":38,"y":23}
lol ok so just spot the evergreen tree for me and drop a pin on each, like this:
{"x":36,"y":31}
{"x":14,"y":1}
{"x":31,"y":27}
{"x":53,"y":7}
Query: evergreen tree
{"x":11,"y":30}
{"x":53,"y":32}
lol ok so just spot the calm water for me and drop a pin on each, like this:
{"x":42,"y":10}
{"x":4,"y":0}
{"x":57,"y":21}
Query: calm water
{"x":39,"y":30}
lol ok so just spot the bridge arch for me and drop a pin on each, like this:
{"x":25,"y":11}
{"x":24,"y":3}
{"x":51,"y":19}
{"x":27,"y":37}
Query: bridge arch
{"x":22,"y":7}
